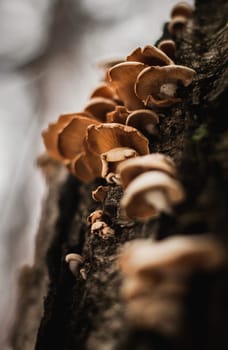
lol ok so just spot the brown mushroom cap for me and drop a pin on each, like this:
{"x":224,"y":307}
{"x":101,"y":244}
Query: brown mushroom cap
{"x":168,"y":47}
{"x":86,"y":166}
{"x":150,"y":55}
{"x":113,"y":157}
{"x":99,"y":106}
{"x":177,"y":23}
{"x":104,"y":137}
{"x":179,"y":252}
{"x":74,"y":257}
{"x":71,"y":138}
{"x":135,"y":201}
{"x":152,"y":79}
{"x":100,"y":193}
{"x":52,"y":134}
{"x":123,"y":77}
{"x":144,"y":120}
{"x":104,"y":90}
{"x":118,"y":115}
{"x":182,"y":9}
{"x":131,"y":168}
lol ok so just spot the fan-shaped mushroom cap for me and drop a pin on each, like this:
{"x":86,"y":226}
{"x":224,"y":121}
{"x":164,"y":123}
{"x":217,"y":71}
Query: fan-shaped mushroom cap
{"x":99,"y":106}
{"x":156,"y":86}
{"x":150,"y":55}
{"x":51,"y":136}
{"x":115,"y":142}
{"x":182,"y":9}
{"x":71,"y":138}
{"x":182,"y":253}
{"x":118,"y":115}
{"x":104,"y":137}
{"x":123,"y":77}
{"x":151,"y":193}
{"x":144,"y":120}
{"x":168,"y":47}
{"x":86,"y":166}
{"x":131,"y":168}
{"x":104,"y":90}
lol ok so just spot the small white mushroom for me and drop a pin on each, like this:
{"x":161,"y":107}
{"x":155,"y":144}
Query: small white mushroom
{"x":74,"y":261}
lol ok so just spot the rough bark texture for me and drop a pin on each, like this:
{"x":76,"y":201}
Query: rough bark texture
{"x":89,"y":314}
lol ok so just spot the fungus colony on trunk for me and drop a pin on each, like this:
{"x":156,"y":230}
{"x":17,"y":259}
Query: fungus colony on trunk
{"x":109,"y":139}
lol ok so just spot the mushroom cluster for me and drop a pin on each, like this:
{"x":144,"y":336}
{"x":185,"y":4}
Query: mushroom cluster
{"x":90,"y":148}
{"x":120,"y":111}
{"x":150,"y":186}
{"x":155,"y":278}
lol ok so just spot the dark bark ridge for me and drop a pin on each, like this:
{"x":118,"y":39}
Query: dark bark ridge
{"x":89,"y":314}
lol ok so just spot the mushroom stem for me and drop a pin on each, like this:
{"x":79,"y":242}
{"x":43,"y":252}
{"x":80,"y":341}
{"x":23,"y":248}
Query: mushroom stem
{"x":168,"y":90}
{"x":158,"y":200}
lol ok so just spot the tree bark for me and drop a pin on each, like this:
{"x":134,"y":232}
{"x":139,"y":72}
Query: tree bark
{"x":89,"y":313}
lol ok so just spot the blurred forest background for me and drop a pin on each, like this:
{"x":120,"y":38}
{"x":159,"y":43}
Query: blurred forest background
{"x":48,"y":55}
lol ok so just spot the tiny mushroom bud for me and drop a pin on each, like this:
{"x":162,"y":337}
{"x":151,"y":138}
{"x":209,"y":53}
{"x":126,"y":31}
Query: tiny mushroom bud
{"x":131,"y":168}
{"x":74,"y":261}
{"x":168,"y":47}
{"x":118,"y":115}
{"x":97,"y":215}
{"x":123,"y":77}
{"x":157,"y":86}
{"x":144,"y":120}
{"x":100,"y":193}
{"x":113,"y":143}
{"x":99,"y":106}
{"x":150,"y":194}
{"x":150,"y":56}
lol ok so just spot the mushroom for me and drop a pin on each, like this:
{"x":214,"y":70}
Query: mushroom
{"x":151,"y":193}
{"x":144,"y":120}
{"x":180,"y":15}
{"x":131,"y":168}
{"x":111,"y":158}
{"x":182,"y":253}
{"x":123,"y":77}
{"x":168,"y":46}
{"x":118,"y":115}
{"x":100,"y":193}
{"x":150,"y":56}
{"x":104,"y":90}
{"x":113,"y":143}
{"x":99,"y":106}
{"x":52,"y":135}
{"x":155,"y":277}
{"x":86,"y":166}
{"x":156,"y":86}
{"x":74,"y":261}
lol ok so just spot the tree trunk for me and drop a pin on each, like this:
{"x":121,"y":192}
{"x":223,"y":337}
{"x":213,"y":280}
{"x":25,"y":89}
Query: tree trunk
{"x":88,"y":313}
